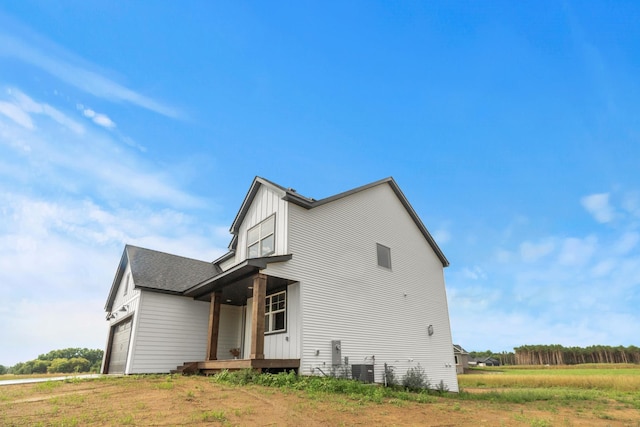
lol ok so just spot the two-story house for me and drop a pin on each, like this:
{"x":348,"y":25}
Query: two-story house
{"x":312,"y":285}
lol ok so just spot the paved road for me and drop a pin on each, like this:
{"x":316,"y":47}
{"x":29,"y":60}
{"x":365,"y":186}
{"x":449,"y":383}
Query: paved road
{"x":45,"y":379}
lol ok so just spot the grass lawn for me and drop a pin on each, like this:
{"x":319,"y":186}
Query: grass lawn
{"x":242,"y":399}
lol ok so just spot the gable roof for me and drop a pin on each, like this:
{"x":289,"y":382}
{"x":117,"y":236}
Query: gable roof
{"x":160,"y":271}
{"x":290,"y":195}
{"x":458,"y":349}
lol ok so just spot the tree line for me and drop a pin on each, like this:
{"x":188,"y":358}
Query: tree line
{"x":67,"y":360}
{"x":556,"y":354}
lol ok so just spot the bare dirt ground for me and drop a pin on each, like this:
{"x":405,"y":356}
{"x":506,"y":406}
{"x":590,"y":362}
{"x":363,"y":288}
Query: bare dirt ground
{"x":166,"y":401}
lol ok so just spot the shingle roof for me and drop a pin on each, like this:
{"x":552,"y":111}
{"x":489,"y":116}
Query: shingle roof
{"x":160,"y":271}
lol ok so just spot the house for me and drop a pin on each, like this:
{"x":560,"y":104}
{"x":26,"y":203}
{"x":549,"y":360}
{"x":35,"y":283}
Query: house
{"x":353,"y":280}
{"x":461,"y":357}
{"x":487,"y":361}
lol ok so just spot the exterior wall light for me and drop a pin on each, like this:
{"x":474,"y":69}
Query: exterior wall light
{"x":430,"y":330}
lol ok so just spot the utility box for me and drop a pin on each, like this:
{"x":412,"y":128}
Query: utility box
{"x":363,"y":373}
{"x":336,"y":352}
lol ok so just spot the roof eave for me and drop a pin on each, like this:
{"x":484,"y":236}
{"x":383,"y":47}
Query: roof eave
{"x":246,"y":267}
{"x":117,"y":279}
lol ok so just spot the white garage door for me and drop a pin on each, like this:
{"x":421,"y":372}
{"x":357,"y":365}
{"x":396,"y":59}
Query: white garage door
{"x":119,"y":347}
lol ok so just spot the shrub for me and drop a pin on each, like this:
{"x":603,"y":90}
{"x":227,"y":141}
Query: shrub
{"x":415,"y":379}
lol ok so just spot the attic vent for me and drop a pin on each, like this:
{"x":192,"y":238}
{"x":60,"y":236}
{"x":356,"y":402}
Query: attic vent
{"x":362,"y":373}
{"x":384,"y":256}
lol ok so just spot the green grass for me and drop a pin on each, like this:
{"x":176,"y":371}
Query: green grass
{"x":567,"y":386}
{"x":584,"y":377}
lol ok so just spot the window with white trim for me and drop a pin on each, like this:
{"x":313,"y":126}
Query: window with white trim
{"x":126,"y":286}
{"x":261,"y":239}
{"x":275,"y":312}
{"x":384,"y":256}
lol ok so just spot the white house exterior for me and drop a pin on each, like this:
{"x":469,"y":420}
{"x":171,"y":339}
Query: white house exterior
{"x":314,"y":285}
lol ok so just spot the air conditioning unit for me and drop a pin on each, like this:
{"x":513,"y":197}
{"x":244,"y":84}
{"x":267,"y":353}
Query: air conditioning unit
{"x":363,"y":373}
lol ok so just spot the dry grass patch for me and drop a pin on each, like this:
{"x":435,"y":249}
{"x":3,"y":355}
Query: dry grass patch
{"x":145,"y":400}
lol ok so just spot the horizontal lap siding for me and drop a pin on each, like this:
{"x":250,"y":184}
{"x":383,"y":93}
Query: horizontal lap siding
{"x":346,"y":296}
{"x":170,"y":330}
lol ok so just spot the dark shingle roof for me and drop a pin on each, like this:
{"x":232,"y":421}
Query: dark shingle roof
{"x":160,"y":271}
{"x":165,"y":272}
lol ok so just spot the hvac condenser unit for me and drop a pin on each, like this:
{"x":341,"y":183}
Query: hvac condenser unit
{"x":362,"y":373}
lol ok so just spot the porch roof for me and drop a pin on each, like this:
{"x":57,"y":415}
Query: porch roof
{"x":238,"y":273}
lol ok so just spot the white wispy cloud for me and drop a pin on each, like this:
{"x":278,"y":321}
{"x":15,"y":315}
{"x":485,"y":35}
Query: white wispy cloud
{"x":534,"y":251}
{"x":82,"y":158}
{"x":58,"y":254}
{"x":569,"y":289}
{"x":19,"y":107}
{"x":598,"y":206}
{"x":577,"y":251}
{"x":25,"y":45}
{"x":98,"y":118}
{"x":17,"y":114}
{"x":70,"y":197}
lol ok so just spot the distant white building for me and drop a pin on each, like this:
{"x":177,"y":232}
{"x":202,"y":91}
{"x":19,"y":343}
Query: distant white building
{"x":314,"y":285}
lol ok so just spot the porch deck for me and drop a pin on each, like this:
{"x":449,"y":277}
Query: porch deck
{"x":215,"y":366}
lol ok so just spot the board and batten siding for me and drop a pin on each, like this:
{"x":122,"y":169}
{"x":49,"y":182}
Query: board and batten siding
{"x":230,"y":332}
{"x":378,"y":314}
{"x":170,"y":331}
{"x":267,"y":201}
{"x":279,"y":345}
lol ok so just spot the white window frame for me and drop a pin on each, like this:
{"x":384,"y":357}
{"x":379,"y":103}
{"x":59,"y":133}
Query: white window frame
{"x":270,"y":312}
{"x":262,"y":235}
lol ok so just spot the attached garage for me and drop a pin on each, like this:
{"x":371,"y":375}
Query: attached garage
{"x":119,"y":348}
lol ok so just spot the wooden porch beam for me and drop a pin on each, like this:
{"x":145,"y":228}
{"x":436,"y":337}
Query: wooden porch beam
{"x":214,"y":326}
{"x":257,"y":312}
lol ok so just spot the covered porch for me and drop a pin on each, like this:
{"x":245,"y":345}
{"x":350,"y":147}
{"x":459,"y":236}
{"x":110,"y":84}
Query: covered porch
{"x":242,"y":289}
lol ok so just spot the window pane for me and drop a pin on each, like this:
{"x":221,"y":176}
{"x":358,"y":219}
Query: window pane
{"x":268,"y":226}
{"x":267,"y":246}
{"x":266,"y":324}
{"x":253,"y":251}
{"x":253,"y":235}
{"x":278,"y":321}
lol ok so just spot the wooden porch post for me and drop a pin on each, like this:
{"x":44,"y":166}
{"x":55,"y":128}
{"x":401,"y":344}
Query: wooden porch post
{"x":257,"y":311}
{"x":214,"y":326}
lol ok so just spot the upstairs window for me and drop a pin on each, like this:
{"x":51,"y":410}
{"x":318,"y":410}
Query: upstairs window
{"x":275,"y":312}
{"x":384,"y":256}
{"x":261,"y":239}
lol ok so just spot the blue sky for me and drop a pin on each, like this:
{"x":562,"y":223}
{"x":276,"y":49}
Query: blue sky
{"x":511,"y":127}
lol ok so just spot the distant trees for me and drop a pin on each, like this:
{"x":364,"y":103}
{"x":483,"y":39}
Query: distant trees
{"x":67,"y":360}
{"x":556,"y":354}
